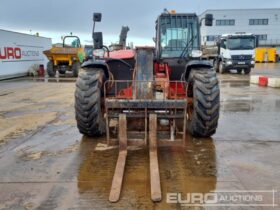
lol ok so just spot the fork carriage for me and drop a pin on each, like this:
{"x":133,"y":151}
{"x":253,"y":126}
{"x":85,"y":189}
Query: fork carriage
{"x":171,"y":115}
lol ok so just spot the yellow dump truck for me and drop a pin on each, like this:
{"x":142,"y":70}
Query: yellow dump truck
{"x":65,"y":58}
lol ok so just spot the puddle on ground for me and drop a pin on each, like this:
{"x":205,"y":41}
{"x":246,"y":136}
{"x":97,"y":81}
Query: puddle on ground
{"x":185,"y":170}
{"x":237,"y":106}
{"x":60,"y":79}
{"x":236,"y":84}
{"x":249,"y":105}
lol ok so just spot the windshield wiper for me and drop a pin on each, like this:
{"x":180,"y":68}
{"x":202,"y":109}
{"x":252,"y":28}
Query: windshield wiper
{"x":186,"y":49}
{"x":188,"y":44}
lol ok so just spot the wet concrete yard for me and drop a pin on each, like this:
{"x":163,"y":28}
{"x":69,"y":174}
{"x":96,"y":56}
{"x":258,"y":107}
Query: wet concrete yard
{"x":46,"y":164}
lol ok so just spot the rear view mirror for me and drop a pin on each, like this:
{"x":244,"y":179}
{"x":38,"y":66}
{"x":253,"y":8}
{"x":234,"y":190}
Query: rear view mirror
{"x":97,"y":17}
{"x":218,"y":42}
{"x":223,"y":44}
{"x":208,"y":20}
{"x":97,"y":40}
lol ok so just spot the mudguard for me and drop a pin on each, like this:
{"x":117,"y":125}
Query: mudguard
{"x":196,"y":64}
{"x":101,"y":64}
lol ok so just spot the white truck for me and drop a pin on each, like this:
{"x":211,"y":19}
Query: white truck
{"x":233,"y":52}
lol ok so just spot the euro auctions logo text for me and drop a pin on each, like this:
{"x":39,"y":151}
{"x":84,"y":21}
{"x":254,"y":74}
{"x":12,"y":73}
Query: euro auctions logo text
{"x":17,"y":53}
{"x":229,"y":198}
{"x":7,"y":53}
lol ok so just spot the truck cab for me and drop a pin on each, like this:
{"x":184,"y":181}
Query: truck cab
{"x":236,"y":51}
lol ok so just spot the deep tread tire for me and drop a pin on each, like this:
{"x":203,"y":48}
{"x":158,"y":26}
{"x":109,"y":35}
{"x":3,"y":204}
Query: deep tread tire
{"x":75,"y":68}
{"x":206,"y":103}
{"x":88,"y":103}
{"x":50,"y":69}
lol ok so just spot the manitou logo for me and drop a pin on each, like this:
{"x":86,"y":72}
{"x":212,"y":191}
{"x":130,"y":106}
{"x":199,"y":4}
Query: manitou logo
{"x":10,"y":53}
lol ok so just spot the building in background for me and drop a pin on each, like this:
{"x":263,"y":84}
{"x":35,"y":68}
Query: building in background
{"x":265,"y":23}
{"x":19,"y":52}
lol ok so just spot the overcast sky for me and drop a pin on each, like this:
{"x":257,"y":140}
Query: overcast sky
{"x":53,"y":18}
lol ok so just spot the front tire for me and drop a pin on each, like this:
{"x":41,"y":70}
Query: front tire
{"x":247,"y":71}
{"x":203,"y":112}
{"x":75,"y":68}
{"x":221,"y":68}
{"x":50,"y":69}
{"x":88,"y":110}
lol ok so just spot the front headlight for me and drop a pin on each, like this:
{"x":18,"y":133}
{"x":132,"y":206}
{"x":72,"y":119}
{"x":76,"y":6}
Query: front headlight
{"x":196,"y":53}
{"x":229,"y":62}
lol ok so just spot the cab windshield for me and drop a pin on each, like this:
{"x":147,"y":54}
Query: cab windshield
{"x":178,"y":33}
{"x":244,"y":43}
{"x":89,"y":51}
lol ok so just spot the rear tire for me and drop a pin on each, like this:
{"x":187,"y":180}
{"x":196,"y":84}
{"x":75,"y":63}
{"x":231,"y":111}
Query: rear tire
{"x":221,"y":68}
{"x":205,"y":92}
{"x":75,"y":68}
{"x":50,"y":69}
{"x":88,"y":103}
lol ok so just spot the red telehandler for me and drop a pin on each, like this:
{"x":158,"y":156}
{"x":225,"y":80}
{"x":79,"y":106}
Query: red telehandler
{"x":149,"y":96}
